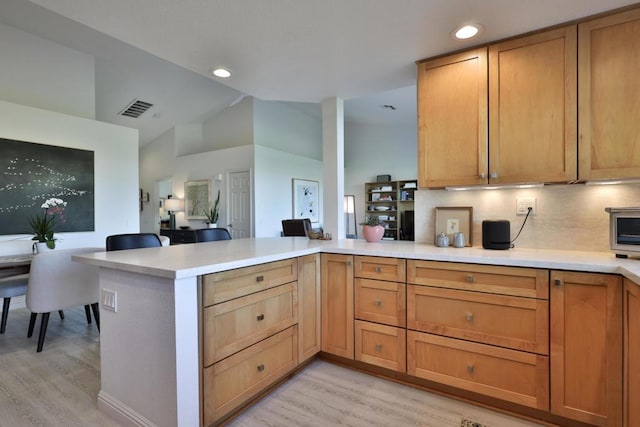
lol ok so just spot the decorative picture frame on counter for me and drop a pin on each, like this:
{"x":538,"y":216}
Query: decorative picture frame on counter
{"x":306,"y":199}
{"x":455,"y":219}
{"x":197,"y":198}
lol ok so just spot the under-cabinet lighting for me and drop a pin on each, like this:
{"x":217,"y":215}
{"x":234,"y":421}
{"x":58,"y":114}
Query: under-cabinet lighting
{"x":613,"y":182}
{"x":495,"y":187}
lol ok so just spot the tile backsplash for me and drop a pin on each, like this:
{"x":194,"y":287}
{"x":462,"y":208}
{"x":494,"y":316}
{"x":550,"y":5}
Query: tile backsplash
{"x":570,"y":217}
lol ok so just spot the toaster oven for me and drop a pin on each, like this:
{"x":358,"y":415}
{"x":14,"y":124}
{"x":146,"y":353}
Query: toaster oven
{"x":624,"y":231}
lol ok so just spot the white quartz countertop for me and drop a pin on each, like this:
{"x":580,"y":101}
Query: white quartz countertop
{"x":189,"y":260}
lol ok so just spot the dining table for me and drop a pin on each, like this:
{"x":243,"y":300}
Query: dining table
{"x":12,"y":265}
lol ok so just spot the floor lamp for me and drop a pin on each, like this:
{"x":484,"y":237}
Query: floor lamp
{"x":350,"y":216}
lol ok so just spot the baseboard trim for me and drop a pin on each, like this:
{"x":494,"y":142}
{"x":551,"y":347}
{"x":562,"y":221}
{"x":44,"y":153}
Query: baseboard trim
{"x":121,"y":412}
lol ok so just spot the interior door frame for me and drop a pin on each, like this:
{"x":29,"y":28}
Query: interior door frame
{"x":251,"y":198}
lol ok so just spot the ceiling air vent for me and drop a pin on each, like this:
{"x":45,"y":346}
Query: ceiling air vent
{"x":136,"y":108}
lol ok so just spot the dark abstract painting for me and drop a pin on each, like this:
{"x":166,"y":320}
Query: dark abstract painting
{"x":32,"y":173}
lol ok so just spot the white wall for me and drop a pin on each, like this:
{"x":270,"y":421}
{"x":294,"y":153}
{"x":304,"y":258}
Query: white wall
{"x":281,"y":127}
{"x":232,"y":127}
{"x":116,"y":169}
{"x":44,"y":74}
{"x":377,"y":150}
{"x":274,"y":171}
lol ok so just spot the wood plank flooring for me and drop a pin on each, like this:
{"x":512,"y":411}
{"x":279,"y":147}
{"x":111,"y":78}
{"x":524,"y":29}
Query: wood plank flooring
{"x":59,"y":387}
{"x":324,"y":394}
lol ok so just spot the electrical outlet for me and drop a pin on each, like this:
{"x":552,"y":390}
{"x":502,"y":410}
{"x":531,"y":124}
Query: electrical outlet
{"x":110,"y":300}
{"x":524,"y":203}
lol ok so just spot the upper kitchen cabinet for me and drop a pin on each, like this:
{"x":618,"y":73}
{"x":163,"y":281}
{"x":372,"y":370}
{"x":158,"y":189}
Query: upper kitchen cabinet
{"x":452,"y":120}
{"x":532,"y":108}
{"x":609,"y":94}
{"x":526,"y":132}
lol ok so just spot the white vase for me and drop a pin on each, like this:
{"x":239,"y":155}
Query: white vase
{"x":40,"y":247}
{"x":213,"y":225}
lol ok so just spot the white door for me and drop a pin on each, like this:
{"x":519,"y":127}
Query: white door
{"x":239,"y":191}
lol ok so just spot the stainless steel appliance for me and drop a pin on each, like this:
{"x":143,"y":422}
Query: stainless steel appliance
{"x":624,"y":231}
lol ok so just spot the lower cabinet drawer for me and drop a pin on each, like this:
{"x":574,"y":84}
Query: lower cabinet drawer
{"x":381,"y":302}
{"x":510,"y":375}
{"x":234,"y":380}
{"x":502,"y":320}
{"x":231,"y":326}
{"x":381,"y":345}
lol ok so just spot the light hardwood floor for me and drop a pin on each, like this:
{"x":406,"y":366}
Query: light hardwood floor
{"x":59,"y":387}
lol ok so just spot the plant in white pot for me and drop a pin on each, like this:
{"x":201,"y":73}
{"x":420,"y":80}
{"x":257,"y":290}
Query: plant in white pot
{"x":213,"y":213}
{"x":372,"y":228}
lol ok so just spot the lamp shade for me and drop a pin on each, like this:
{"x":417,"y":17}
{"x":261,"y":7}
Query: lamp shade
{"x":173,"y":205}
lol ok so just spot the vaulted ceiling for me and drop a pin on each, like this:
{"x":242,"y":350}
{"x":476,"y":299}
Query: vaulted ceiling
{"x":299,"y":51}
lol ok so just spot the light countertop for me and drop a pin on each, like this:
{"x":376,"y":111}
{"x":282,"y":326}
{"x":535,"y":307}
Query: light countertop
{"x":182,"y":261}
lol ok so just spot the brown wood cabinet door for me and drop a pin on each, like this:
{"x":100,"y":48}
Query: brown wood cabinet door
{"x":337,"y":304}
{"x":308,"y":306}
{"x":631,"y":353}
{"x":609,"y":90}
{"x":586,"y":347}
{"x":532,"y":108}
{"x":452,"y":120}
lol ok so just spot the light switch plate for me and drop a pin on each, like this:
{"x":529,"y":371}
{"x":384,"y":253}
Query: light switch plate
{"x":110,"y":300}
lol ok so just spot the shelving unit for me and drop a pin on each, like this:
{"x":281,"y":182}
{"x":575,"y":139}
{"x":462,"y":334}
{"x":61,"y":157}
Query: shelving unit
{"x":391,"y":201}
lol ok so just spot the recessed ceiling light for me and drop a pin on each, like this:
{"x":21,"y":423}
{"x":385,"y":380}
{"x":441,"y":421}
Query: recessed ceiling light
{"x":221,"y":72}
{"x":467,"y":31}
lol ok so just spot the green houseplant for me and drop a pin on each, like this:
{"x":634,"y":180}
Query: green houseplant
{"x":43,"y":225}
{"x":372,"y":228}
{"x":213,"y":213}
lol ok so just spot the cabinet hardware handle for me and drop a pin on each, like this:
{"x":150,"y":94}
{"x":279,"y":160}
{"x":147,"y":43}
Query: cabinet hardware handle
{"x":378,"y":347}
{"x":377,"y":303}
{"x":470,"y":317}
{"x":494,"y":175}
{"x":470,"y":278}
{"x":557,"y":282}
{"x":483,"y":175}
{"x":349,"y":263}
{"x":260,"y":317}
{"x":260,"y":367}
{"x":259,"y":278}
{"x":470,"y":369}
{"x":378,"y":270}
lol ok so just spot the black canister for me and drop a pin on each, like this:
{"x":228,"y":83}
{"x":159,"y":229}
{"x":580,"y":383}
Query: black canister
{"x":496,"y":234}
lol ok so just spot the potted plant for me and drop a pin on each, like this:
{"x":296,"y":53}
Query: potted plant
{"x":213,"y":213}
{"x":43,"y":225}
{"x":372,"y":228}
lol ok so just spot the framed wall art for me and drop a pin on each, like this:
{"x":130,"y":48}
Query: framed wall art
{"x":33,"y":173}
{"x":306,"y":200}
{"x":452,"y":219}
{"x":197,"y":199}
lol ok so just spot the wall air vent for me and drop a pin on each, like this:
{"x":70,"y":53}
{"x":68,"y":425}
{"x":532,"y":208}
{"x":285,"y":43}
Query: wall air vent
{"x":136,"y":108}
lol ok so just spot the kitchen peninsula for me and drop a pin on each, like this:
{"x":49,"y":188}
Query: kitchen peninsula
{"x":155,"y":359}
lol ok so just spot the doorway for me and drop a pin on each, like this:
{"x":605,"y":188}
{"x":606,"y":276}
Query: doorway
{"x":239,"y":190}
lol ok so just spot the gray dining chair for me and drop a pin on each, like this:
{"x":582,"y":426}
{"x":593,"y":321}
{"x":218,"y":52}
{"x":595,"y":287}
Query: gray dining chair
{"x":56,"y":282}
{"x":10,"y":287}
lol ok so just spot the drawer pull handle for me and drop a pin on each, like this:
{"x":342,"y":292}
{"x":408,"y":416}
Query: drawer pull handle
{"x":557,"y":282}
{"x":377,"y":303}
{"x":260,"y":367}
{"x":470,"y":317}
{"x":378,"y":348}
{"x":259,"y":278}
{"x":470,"y":278}
{"x":470,"y":369}
{"x":260,"y":317}
{"x":378,"y":270}
{"x":348,"y":263}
